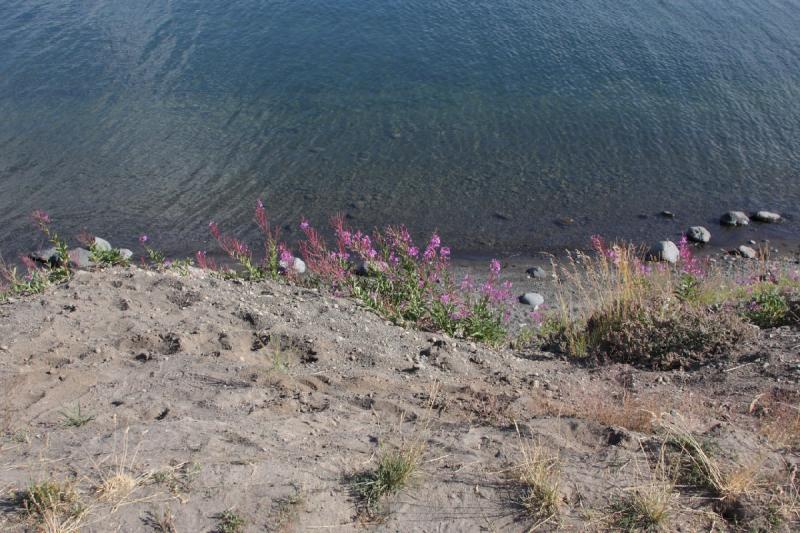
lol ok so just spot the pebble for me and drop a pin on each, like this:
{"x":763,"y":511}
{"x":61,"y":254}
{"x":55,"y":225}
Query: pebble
{"x":3,"y":348}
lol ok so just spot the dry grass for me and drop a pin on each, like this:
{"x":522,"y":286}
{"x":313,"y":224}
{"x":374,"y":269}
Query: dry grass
{"x":539,"y":476}
{"x":634,"y":413}
{"x":119,"y":482}
{"x":54,"y":506}
{"x":700,"y":468}
{"x":779,"y":414}
{"x":647,"y":506}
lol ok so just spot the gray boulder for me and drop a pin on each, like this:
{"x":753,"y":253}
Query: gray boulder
{"x":533,"y":299}
{"x":698,"y":234}
{"x":746,"y":252}
{"x":767,"y":216}
{"x":734,"y":218}
{"x":125,"y":254}
{"x":536,"y":272}
{"x":665,"y":251}
{"x":102,"y":245}
{"x":80,"y":258}
{"x":47,"y":256}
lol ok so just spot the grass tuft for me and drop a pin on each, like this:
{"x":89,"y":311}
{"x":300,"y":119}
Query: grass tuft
{"x":394,"y":471}
{"x":539,"y":475}
{"x":230,"y":522}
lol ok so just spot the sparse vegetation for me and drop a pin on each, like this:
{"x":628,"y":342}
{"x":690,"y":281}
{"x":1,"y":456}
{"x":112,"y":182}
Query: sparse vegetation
{"x":162,"y":522}
{"x":55,"y":504}
{"x":539,"y":476}
{"x":76,"y":418}
{"x":230,"y":522}
{"x":394,"y":471}
{"x":642,"y":509}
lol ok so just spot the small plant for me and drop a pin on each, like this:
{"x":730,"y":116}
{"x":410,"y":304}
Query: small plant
{"x":394,"y":471}
{"x":230,"y":522}
{"x":642,"y":509}
{"x":769,"y":306}
{"x":539,"y":476}
{"x":163,"y":522}
{"x":76,"y":418}
{"x":277,"y":261}
{"x":178,"y":478}
{"x":51,"y":501}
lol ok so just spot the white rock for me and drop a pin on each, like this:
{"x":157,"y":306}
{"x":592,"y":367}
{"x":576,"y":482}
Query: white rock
{"x":747,"y":252}
{"x":102,"y":245}
{"x":665,"y":251}
{"x":698,"y":234}
{"x":767,"y":216}
{"x":532,"y":298}
{"x":125,"y":254}
{"x":734,"y":218}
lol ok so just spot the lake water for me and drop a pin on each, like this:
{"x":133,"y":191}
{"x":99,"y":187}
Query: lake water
{"x":507,"y":124}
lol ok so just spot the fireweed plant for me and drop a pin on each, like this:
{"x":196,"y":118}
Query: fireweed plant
{"x":277,"y":260}
{"x":409,"y":285}
{"x":37,"y":278}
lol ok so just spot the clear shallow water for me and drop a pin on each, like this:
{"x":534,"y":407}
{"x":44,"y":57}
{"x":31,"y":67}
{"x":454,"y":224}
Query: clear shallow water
{"x":156,"y":116}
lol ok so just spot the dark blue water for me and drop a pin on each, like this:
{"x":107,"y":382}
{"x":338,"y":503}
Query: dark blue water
{"x":507,"y":124}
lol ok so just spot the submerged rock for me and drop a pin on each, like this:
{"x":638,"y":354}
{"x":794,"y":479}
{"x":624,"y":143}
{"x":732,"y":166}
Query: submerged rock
{"x":767,"y":216}
{"x":665,"y":251}
{"x":734,"y":218}
{"x":532,"y":298}
{"x":698,"y":234}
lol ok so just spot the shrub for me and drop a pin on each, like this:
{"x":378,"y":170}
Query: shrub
{"x":771,"y":305}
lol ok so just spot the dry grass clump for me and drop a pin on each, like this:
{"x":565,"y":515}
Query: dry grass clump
{"x":696,"y":465}
{"x":779,"y":413}
{"x":54,"y":505}
{"x":119,"y":482}
{"x":394,"y":471}
{"x":614,"y":307}
{"x":538,"y":474}
{"x":633,"y":413}
{"x":647,"y":506}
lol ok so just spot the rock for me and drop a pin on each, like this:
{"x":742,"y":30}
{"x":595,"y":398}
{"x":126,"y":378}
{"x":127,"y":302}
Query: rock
{"x":125,"y":254}
{"x":734,"y":218}
{"x":532,"y":298}
{"x":80,"y":258}
{"x":102,"y":245}
{"x":767,"y":216}
{"x":667,"y":214}
{"x":665,"y":251}
{"x":536,"y":272}
{"x":746,"y":252}
{"x":3,"y":348}
{"x":698,"y":234}
{"x":299,"y":266}
{"x":48,"y":255}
